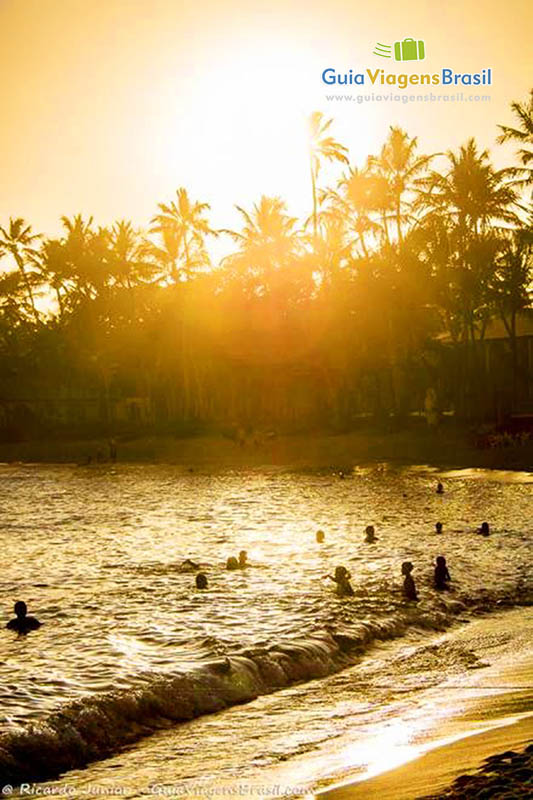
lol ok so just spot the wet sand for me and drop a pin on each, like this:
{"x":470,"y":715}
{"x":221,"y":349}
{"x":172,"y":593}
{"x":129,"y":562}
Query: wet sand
{"x":488,"y":727}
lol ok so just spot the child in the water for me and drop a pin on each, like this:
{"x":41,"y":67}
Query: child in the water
{"x":484,"y":530}
{"x":342,"y":579}
{"x":201,"y":580}
{"x":438,"y":527}
{"x":409,"y":588}
{"x":441,"y":576}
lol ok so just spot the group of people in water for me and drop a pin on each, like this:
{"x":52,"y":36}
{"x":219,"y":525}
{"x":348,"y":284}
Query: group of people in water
{"x":22,"y":623}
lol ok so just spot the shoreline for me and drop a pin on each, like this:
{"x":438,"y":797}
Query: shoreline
{"x":497,"y":720}
{"x":444,"y":449}
{"x":434,"y":772}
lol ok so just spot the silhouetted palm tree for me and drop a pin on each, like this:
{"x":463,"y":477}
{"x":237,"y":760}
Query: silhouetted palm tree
{"x":400,"y":166}
{"x":18,"y":241}
{"x":322,"y":147}
{"x":523,"y":134}
{"x":183,"y":227}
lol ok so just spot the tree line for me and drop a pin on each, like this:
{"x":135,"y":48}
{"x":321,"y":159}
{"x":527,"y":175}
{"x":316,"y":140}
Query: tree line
{"x":383,"y":294}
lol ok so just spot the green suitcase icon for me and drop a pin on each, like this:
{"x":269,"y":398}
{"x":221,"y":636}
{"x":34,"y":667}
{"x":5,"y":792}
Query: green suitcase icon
{"x":409,"y":50}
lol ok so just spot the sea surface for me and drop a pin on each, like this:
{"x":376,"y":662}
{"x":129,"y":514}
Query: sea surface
{"x":129,"y":647}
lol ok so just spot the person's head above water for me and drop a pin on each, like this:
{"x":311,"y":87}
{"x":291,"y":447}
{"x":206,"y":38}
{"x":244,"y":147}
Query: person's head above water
{"x":370,"y":533}
{"x":440,"y":488}
{"x":438,"y":527}
{"x":320,"y":536}
{"x":21,"y":609}
{"x":407,"y":568}
{"x":243,"y":555}
{"x":341,"y":573}
{"x":201,"y":581}
{"x":232,"y":563}
{"x":441,"y":561}
{"x":485,"y":530}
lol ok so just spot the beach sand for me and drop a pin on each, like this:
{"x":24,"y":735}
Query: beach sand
{"x":488,"y":724}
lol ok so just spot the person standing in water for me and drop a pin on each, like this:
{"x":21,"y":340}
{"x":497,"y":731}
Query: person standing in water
{"x":438,"y":527}
{"x":370,"y":534}
{"x":342,"y":579}
{"x":201,"y":581}
{"x":22,"y":623}
{"x":320,"y":536}
{"x":409,"y":588}
{"x":440,"y":488}
{"x":441,"y":575}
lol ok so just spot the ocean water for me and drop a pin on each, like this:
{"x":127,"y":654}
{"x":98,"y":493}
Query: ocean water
{"x":129,"y":647}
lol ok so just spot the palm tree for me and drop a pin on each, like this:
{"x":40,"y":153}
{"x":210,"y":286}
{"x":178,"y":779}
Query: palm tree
{"x":321,"y":147}
{"x":523,"y":134}
{"x":18,"y":240}
{"x":183,"y":227}
{"x":355,"y":203}
{"x":399,"y":165}
{"x":267,"y":243}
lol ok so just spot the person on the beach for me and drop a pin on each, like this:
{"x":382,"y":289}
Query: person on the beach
{"x":440,"y":488}
{"x":201,"y":581}
{"x":438,"y":527}
{"x":320,"y":536}
{"x":484,"y":530}
{"x":232,"y":563}
{"x":409,"y":588}
{"x":22,"y":623}
{"x":342,"y":579}
{"x":370,"y":534}
{"x":441,"y":575}
{"x":243,"y":556}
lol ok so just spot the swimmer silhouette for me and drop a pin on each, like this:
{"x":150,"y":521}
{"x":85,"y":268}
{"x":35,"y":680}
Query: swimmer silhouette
{"x":409,"y":588}
{"x":189,"y":566}
{"x":232,"y":563}
{"x":243,"y":559}
{"x":370,"y":534}
{"x":441,"y":576}
{"x":21,"y":622}
{"x":484,"y":530}
{"x":440,"y":488}
{"x":438,"y":527}
{"x":342,"y":579}
{"x":320,"y":536}
{"x":201,"y":581}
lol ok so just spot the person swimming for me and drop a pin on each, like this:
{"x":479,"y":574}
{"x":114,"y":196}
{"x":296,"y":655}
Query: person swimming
{"x":440,"y":488}
{"x":409,"y":587}
{"x":484,"y":530}
{"x":438,"y":527}
{"x":342,"y":579}
{"x":370,"y":534}
{"x":232,"y":563}
{"x":201,"y":581}
{"x":22,"y":623}
{"x":320,"y":536}
{"x":243,"y":556}
{"x":441,"y":575}
{"x":189,"y":566}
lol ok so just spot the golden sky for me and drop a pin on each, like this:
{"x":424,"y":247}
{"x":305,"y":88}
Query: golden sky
{"x":109,"y":105}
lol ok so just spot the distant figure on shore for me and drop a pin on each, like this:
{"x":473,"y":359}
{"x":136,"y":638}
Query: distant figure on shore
{"x":189,"y":566}
{"x":438,"y":527}
{"x":440,"y":488}
{"x":232,"y":563}
{"x":441,"y":576}
{"x":409,"y":588}
{"x":484,"y":530}
{"x":243,"y":558}
{"x":342,"y":579}
{"x":320,"y":536}
{"x":22,"y":623}
{"x":201,"y":580}
{"x":112,"y":444}
{"x":370,"y":534}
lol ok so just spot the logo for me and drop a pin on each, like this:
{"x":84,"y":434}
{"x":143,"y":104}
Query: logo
{"x":406,"y":50}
